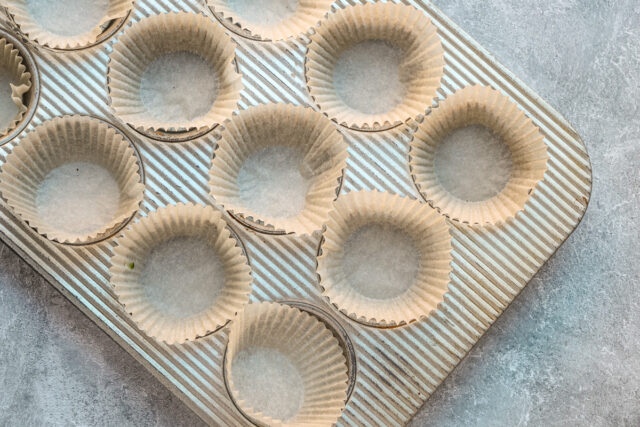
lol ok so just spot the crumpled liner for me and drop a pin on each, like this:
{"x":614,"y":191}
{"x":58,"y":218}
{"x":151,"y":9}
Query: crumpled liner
{"x":23,"y":18}
{"x":404,"y":27}
{"x":312,"y":349}
{"x":158,"y":35}
{"x":480,"y":105}
{"x":325,"y":156}
{"x":179,"y":221}
{"x":65,"y":140}
{"x":307,"y":15}
{"x":431,"y":233}
{"x":11,"y":62}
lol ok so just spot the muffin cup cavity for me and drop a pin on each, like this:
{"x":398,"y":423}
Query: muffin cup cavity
{"x":306,"y":345}
{"x":484,"y":106}
{"x":311,"y":150}
{"x":55,"y":145}
{"x":293,"y":22}
{"x":404,"y":28}
{"x":158,"y":37}
{"x":408,"y":220}
{"x":183,"y":309}
{"x":12,"y":63}
{"x":34,"y":30}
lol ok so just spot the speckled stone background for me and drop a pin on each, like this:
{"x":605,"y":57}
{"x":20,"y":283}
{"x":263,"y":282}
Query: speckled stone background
{"x":567,"y":351}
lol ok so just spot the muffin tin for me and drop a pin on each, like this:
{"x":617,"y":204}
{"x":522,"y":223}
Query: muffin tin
{"x":390,"y":370}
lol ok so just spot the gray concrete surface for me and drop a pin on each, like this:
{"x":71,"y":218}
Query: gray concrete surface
{"x":567,"y":352}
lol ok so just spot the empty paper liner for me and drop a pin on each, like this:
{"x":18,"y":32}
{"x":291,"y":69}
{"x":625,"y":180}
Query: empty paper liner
{"x":180,"y":273}
{"x":279,"y":166}
{"x":73,"y":179}
{"x":516,"y":133}
{"x":384,"y":259}
{"x":19,"y":79}
{"x":284,"y":367}
{"x":173,"y":72}
{"x":403,"y":32}
{"x":272,"y":20}
{"x":59,"y":25}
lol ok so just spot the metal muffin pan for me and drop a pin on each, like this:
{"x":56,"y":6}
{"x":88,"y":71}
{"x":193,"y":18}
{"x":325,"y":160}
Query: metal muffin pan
{"x":392,"y":371}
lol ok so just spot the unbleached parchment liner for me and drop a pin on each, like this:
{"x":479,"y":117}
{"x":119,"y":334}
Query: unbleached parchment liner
{"x":431,"y":238}
{"x":159,"y":35}
{"x":480,"y":105}
{"x":405,"y":28}
{"x":12,"y":62}
{"x":324,"y":157}
{"x":65,"y":140}
{"x":136,"y":245}
{"x":307,"y":14}
{"x":308,"y":344}
{"x":32,"y":29}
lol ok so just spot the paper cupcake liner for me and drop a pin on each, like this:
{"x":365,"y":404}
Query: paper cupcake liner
{"x":158,"y":35}
{"x":405,"y":28}
{"x":22,"y":16}
{"x":12,"y":63}
{"x":480,"y":105}
{"x":307,"y":15}
{"x":311,"y":348}
{"x":324,"y":154}
{"x":431,"y":238}
{"x":132,"y":254}
{"x":65,"y":140}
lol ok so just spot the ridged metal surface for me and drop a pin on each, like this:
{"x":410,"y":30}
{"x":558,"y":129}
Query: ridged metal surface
{"x":397,"y":369}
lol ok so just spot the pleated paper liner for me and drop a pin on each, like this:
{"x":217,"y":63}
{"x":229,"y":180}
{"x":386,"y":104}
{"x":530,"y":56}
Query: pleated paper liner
{"x":159,"y":35}
{"x":63,"y":38}
{"x":11,"y":63}
{"x":322,"y":155}
{"x":54,"y":145}
{"x":307,"y":346}
{"x":484,"y":106}
{"x":406,"y":289}
{"x":188,"y":307}
{"x":276,"y":23}
{"x":406,"y":29}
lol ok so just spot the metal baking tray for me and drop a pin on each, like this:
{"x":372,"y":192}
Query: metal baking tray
{"x":392,"y":371}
